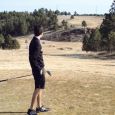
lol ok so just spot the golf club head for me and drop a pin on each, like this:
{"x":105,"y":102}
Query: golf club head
{"x":49,"y":73}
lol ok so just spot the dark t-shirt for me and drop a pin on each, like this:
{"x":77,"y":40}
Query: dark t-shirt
{"x":36,"y":54}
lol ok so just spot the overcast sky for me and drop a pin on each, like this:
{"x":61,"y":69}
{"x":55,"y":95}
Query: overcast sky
{"x":81,"y":6}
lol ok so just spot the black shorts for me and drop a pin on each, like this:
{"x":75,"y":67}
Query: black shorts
{"x":39,"y":79}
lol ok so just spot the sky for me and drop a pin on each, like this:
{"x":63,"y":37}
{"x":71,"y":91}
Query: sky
{"x":81,"y":6}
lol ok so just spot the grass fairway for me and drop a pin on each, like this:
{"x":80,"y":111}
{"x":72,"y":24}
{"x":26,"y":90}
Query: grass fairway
{"x":82,"y":94}
{"x":81,"y":84}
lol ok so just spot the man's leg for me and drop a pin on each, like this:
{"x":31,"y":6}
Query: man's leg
{"x":34,"y":99}
{"x":40,"y":107}
{"x":39,"y":98}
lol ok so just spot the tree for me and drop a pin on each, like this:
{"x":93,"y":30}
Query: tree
{"x":68,"y":13}
{"x":111,"y":41}
{"x":57,"y":12}
{"x":23,"y":27}
{"x":1,"y":40}
{"x":75,"y":13}
{"x":84,"y":25}
{"x":41,"y":11}
{"x":65,"y":24}
{"x":97,"y":39}
{"x":1,"y":28}
{"x":112,"y":10}
{"x":55,"y":27}
{"x":92,"y":42}
{"x":72,"y":17}
{"x":9,"y":27}
{"x":54,"y":19}
{"x":108,"y":26}
{"x":65,"y":13}
{"x":86,"y":46}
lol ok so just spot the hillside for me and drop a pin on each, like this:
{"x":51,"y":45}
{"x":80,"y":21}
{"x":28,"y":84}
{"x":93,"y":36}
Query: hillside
{"x":92,"y":21}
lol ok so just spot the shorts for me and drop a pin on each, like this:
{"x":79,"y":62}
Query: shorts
{"x":39,"y":79}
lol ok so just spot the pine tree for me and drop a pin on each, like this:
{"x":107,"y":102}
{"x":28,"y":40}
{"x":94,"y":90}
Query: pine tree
{"x":86,"y":46}
{"x":1,"y":40}
{"x":23,"y":27}
{"x":65,"y":24}
{"x":108,"y":26}
{"x":112,"y":10}
{"x":97,"y":39}
{"x":111,"y":41}
{"x":84,"y":25}
{"x":75,"y":13}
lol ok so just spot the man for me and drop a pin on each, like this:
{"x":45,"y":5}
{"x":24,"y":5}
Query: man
{"x":37,"y":65}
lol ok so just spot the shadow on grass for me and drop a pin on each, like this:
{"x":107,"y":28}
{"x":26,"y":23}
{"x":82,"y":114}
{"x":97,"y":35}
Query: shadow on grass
{"x":11,"y":112}
{"x":81,"y":56}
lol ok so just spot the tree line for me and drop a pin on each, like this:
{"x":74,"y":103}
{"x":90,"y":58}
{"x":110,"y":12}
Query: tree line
{"x":22,"y":23}
{"x":103,"y":38}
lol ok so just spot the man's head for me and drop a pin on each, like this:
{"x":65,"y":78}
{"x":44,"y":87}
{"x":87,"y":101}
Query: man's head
{"x":38,"y":30}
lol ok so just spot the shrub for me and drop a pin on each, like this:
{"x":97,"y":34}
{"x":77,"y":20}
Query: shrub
{"x":72,"y":17}
{"x":10,"y":43}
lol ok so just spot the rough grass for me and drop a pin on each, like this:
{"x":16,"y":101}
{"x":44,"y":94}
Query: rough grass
{"x":81,"y":84}
{"x":92,"y":21}
{"x":82,"y":94}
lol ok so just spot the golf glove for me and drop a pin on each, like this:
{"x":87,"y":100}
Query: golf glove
{"x":42,"y":71}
